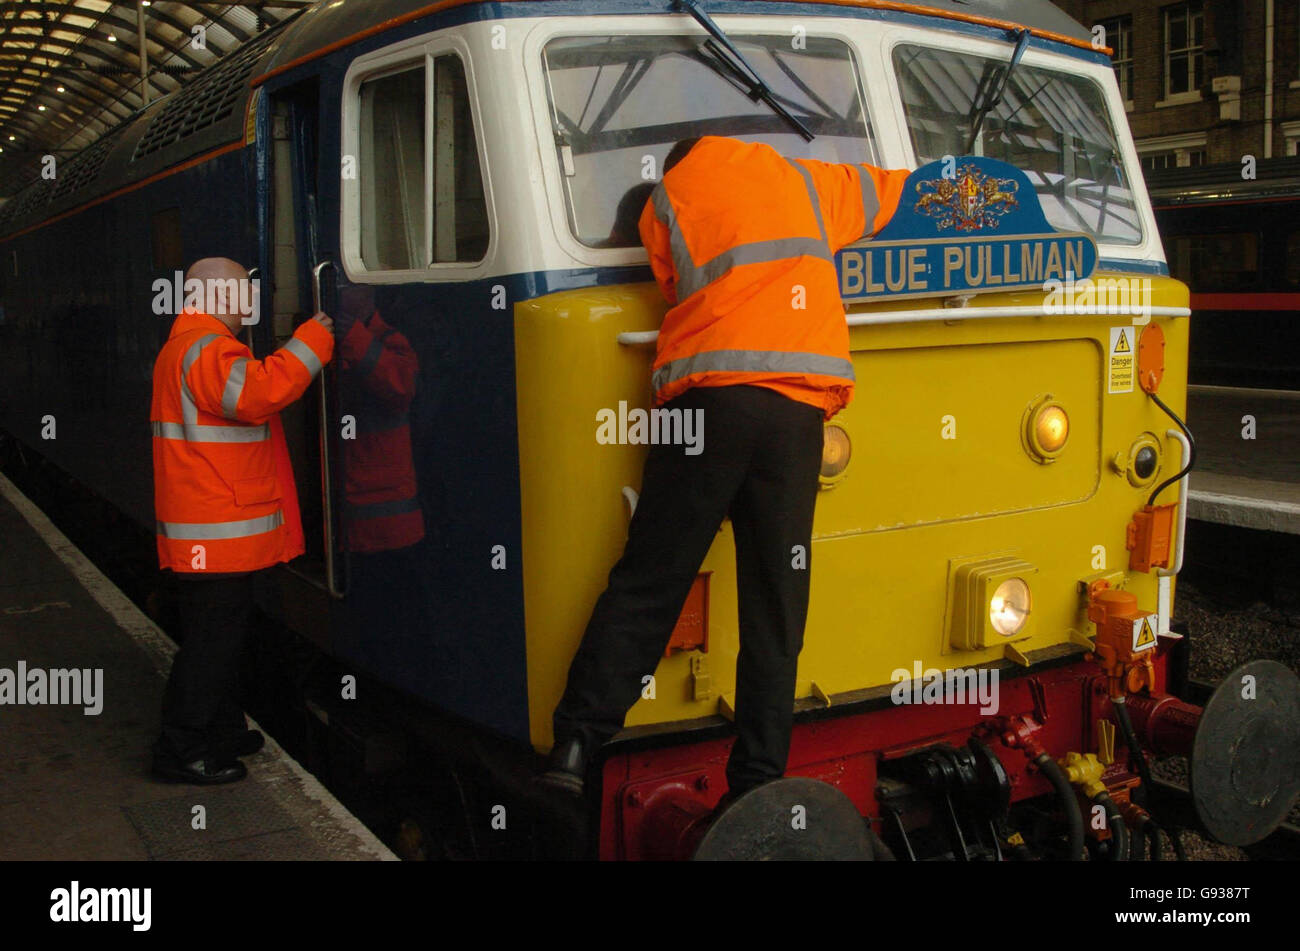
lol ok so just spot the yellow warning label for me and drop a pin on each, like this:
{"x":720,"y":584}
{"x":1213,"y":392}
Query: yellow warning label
{"x":1120,"y":364}
{"x":1144,"y":633}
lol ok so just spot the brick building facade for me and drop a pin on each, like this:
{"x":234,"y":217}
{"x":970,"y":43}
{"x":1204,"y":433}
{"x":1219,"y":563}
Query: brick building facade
{"x":1196,"y":75}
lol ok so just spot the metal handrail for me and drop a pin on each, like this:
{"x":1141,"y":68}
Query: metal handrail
{"x":634,"y":338}
{"x":326,"y":469}
{"x":252,"y":271}
{"x":1182,"y":504}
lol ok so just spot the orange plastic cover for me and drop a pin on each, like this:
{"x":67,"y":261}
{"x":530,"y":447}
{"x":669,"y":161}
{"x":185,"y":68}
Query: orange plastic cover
{"x":1150,"y":537}
{"x":1151,"y":358}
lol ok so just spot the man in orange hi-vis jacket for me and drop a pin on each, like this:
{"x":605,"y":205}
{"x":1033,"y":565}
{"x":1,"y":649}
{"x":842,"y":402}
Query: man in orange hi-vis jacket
{"x":756,"y":346}
{"x":226,"y":507}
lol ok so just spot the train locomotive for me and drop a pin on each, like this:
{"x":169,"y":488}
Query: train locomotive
{"x":990,"y":652}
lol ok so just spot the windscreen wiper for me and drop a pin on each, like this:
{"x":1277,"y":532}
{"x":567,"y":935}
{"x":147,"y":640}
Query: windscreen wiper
{"x":731,"y":60}
{"x":989,"y":94}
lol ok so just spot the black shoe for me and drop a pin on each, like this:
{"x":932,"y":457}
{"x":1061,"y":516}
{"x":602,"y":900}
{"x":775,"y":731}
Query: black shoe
{"x":201,"y":772}
{"x":243,"y":743}
{"x":566,"y":767}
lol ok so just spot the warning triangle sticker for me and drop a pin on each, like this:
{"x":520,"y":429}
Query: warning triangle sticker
{"x":1121,"y":345}
{"x":1144,"y":634}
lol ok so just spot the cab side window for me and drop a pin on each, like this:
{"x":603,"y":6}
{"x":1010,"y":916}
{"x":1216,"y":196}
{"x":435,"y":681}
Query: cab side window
{"x":420,"y":184}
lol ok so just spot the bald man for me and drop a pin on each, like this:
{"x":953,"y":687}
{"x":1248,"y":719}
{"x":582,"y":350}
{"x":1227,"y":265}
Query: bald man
{"x":225,"y":503}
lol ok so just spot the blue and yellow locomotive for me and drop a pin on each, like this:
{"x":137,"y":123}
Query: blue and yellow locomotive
{"x":1001,"y":496}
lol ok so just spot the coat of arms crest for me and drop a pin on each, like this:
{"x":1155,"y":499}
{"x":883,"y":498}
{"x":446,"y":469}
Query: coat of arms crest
{"x":970,"y":201}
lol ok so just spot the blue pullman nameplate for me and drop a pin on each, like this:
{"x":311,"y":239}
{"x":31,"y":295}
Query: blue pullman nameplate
{"x":979,"y":228}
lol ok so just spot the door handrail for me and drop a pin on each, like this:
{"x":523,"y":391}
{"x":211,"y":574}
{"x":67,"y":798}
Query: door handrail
{"x":326,"y":468}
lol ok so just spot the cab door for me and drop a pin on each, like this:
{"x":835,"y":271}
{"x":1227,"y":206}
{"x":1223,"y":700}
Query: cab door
{"x":296,"y":280}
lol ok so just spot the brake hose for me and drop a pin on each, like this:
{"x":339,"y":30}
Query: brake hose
{"x":1144,"y":771}
{"x":1118,"y":830}
{"x":1069,"y":803}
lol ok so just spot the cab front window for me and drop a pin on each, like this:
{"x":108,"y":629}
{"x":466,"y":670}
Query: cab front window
{"x":1053,"y":126}
{"x":619,"y":103}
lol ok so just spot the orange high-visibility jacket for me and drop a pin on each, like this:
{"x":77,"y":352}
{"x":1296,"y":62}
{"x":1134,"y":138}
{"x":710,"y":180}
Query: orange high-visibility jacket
{"x":742,"y":243}
{"x":383,"y":502}
{"x":224,"y":495}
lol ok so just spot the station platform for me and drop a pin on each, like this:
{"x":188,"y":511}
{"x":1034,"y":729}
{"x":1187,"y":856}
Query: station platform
{"x":1247,"y":482}
{"x":75,"y":781}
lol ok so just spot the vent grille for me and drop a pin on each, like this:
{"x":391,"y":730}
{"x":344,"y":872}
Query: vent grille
{"x":83,"y":168}
{"x":208,"y":99}
{"x":36,"y":195}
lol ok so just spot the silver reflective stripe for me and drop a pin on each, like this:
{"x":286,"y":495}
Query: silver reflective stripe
{"x":812,"y":198}
{"x":758,"y":252}
{"x":870,"y":200}
{"x":691,"y":278}
{"x":190,"y":432}
{"x":751,"y":361}
{"x":381,"y":509}
{"x":189,"y":409}
{"x":682,"y":261}
{"x":305,"y":354}
{"x":192,"y":353}
{"x":211,"y":531}
{"x":234,"y":389}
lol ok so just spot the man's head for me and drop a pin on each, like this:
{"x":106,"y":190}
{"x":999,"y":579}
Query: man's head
{"x":678,"y":152}
{"x":227,"y":293}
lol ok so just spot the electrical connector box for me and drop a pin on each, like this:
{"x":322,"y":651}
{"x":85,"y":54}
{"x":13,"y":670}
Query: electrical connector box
{"x":1150,"y":537}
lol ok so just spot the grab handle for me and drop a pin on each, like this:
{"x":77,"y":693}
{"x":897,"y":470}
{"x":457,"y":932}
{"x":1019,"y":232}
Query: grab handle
{"x":326,"y":466}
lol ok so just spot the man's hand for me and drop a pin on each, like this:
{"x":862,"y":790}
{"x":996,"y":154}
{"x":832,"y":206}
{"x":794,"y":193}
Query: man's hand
{"x":324,"y":320}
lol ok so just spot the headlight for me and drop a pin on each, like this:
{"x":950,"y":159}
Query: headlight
{"x":1046,"y":429}
{"x":836,"y":450}
{"x":1009,"y":607}
{"x":989,"y":601}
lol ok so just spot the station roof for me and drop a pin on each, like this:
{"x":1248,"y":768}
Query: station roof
{"x":70,"y":69}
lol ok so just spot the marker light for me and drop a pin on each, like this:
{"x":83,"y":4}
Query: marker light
{"x":836,"y":450}
{"x":1046,"y":429}
{"x":1009,"y":607}
{"x":1144,"y":463}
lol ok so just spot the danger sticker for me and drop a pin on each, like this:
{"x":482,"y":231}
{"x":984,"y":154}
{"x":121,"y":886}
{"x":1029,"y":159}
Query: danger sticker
{"x":1120,"y":360}
{"x":1144,"y":633}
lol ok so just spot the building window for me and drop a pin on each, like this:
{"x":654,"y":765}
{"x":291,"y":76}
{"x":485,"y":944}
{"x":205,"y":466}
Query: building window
{"x":1215,"y":262}
{"x":1291,"y":136}
{"x":1119,"y":37}
{"x":1172,"y":151}
{"x":1184,"y":49}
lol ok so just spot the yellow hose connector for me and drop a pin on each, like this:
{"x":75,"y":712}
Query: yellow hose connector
{"x":1084,"y":770}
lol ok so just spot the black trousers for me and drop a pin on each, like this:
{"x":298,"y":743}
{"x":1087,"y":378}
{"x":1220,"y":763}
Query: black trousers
{"x":201,"y":709}
{"x":760,"y":462}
